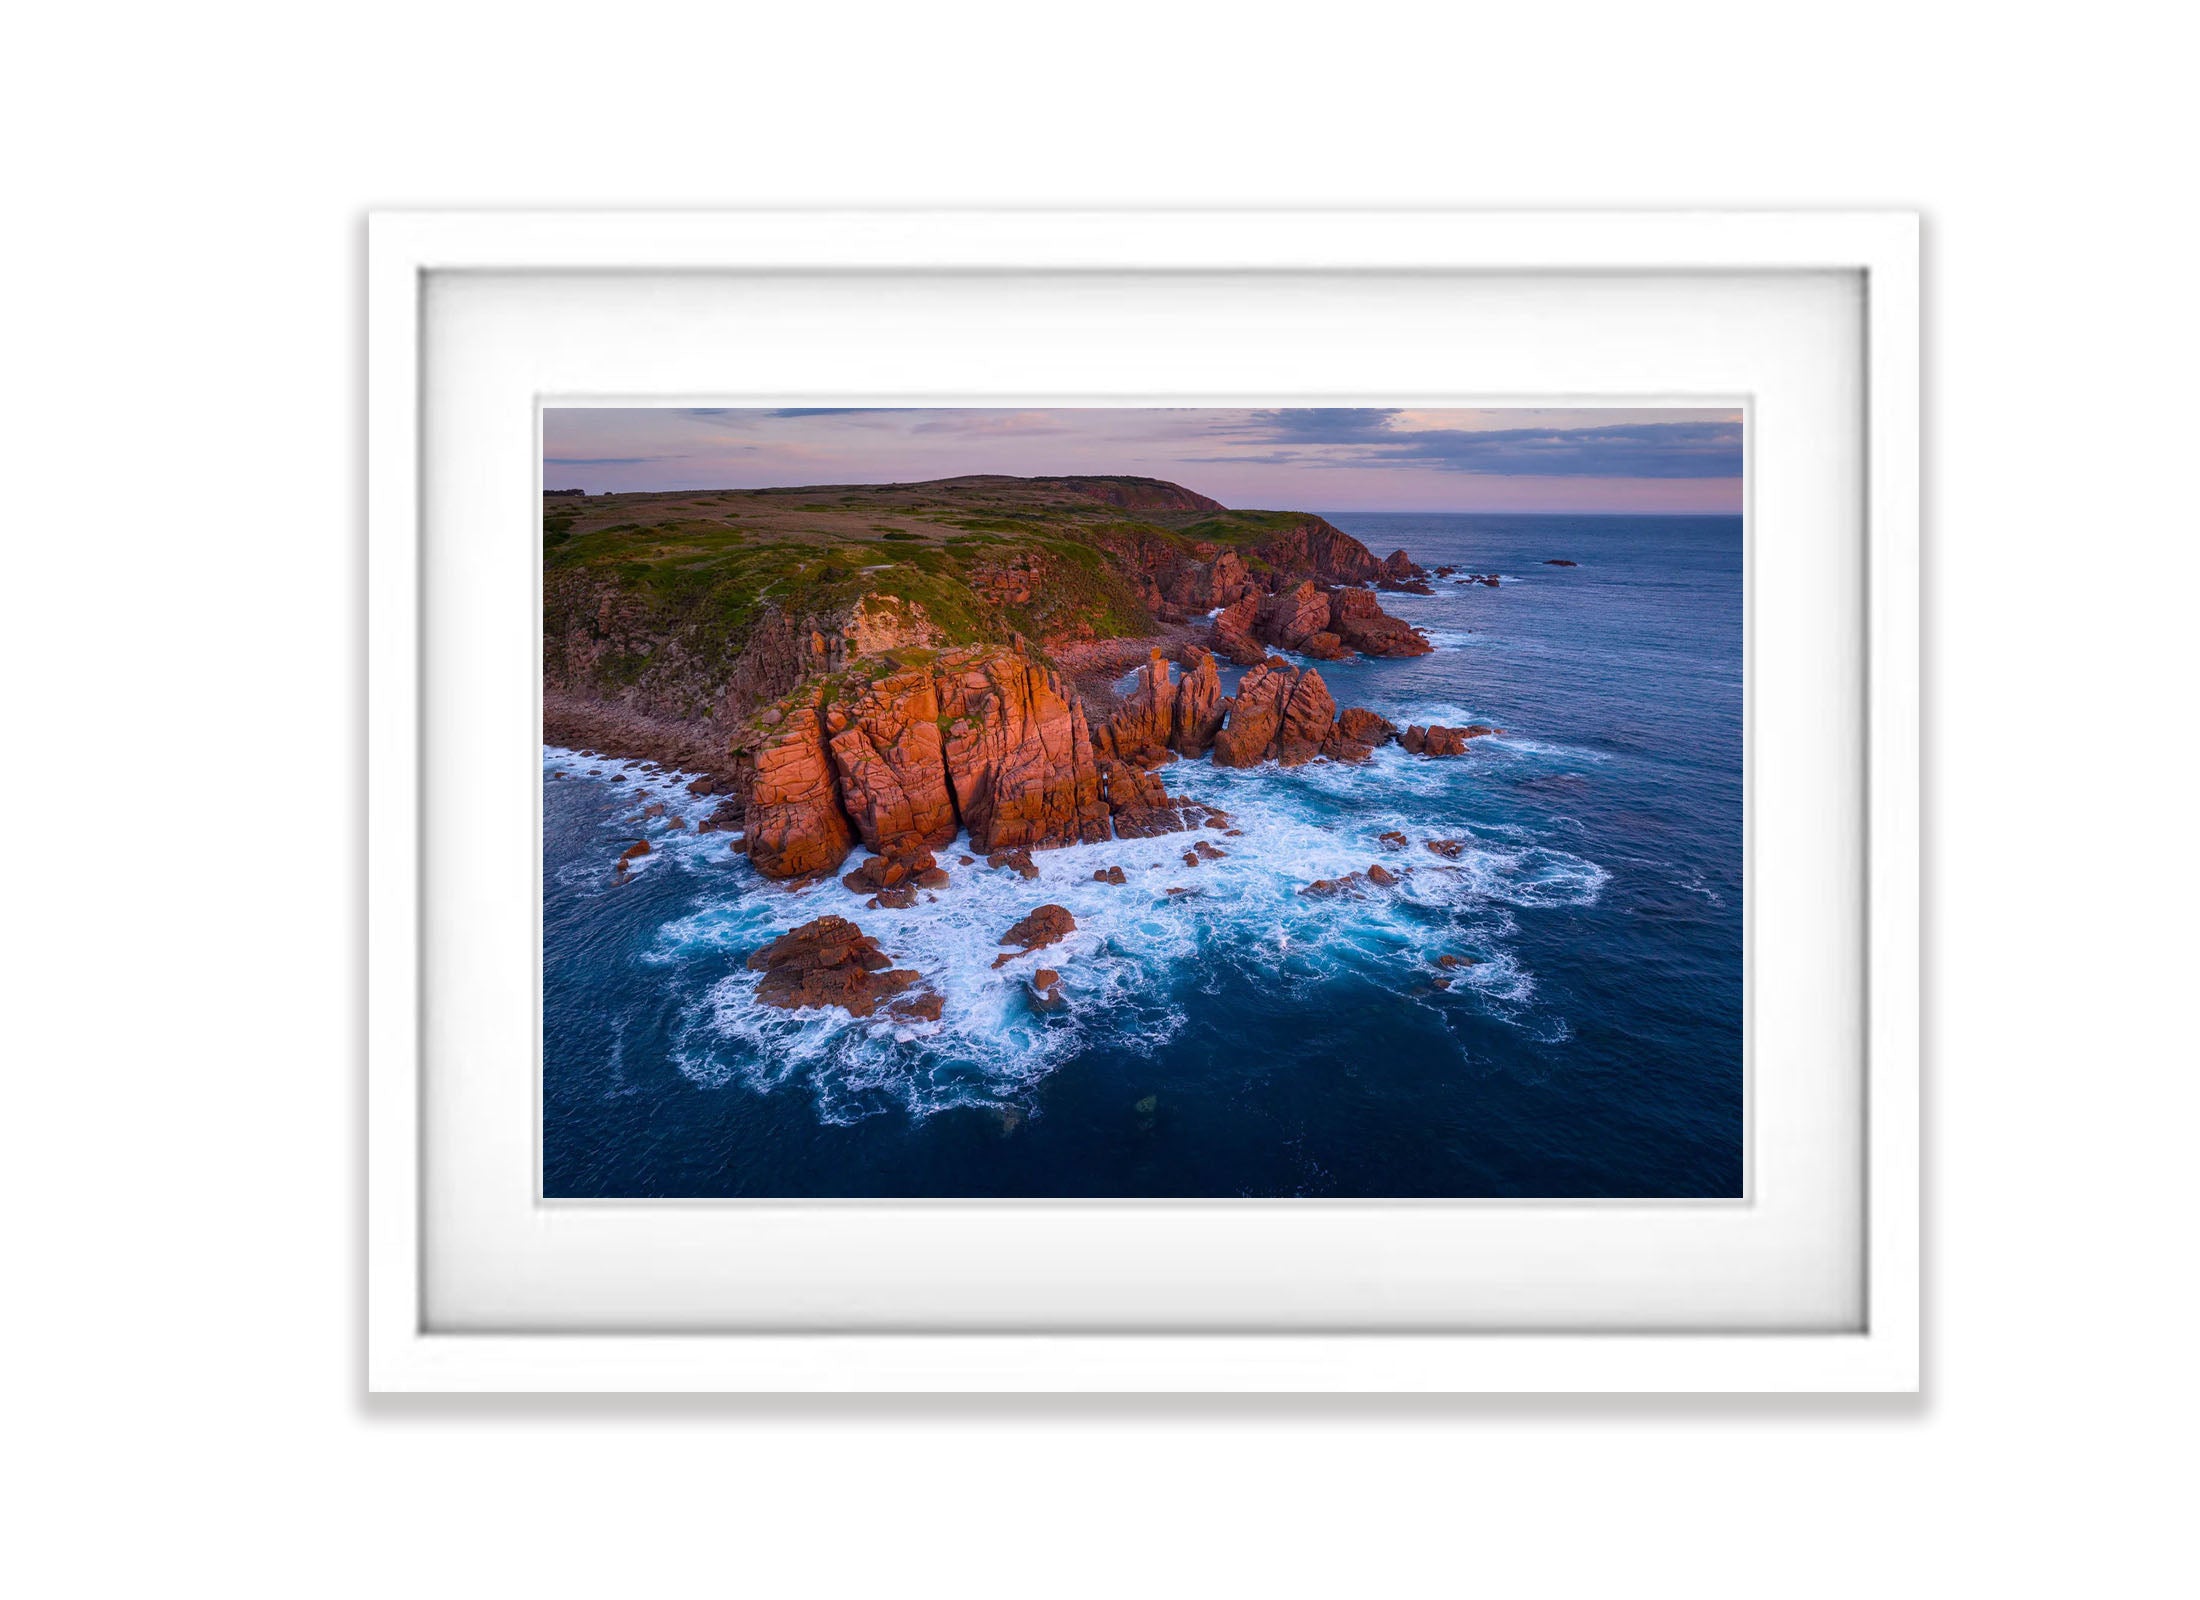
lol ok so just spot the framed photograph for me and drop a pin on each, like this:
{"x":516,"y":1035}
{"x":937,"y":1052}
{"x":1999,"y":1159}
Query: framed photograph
{"x":1152,"y":801}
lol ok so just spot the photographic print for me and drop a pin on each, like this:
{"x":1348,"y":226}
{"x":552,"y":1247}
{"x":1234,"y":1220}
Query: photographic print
{"x":1175,"y":803}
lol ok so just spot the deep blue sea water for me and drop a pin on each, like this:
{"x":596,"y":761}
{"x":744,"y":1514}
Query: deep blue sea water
{"x":1246,"y":1040}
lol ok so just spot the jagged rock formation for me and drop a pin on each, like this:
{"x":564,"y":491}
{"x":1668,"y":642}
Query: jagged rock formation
{"x":1399,"y":567}
{"x":992,"y":740}
{"x":838,"y":688}
{"x":1146,"y":720}
{"x":1365,"y":727}
{"x":1309,"y":718}
{"x":1328,"y":624}
{"x":1255,"y":713}
{"x":887,"y":749}
{"x":1203,"y":584}
{"x":988,"y":736}
{"x":1357,"y":618}
{"x":1018,"y":753}
{"x":1290,"y":716}
{"x":1292,"y":618}
{"x":1198,"y":708}
{"x":1233,"y":632}
{"x":1140,"y":807}
{"x":1327,"y":553}
{"x":1357,"y":734}
{"x":795,"y":825}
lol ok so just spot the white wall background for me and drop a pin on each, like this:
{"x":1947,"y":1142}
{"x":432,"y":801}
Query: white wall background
{"x":180,"y":505}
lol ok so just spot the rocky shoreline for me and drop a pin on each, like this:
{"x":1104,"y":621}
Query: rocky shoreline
{"x":871,"y":729}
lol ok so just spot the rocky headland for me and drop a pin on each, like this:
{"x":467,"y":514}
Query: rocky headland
{"x":892,"y":666}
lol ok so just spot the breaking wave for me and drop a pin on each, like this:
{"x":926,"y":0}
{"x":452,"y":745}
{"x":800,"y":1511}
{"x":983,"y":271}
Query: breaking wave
{"x":1140,"y":956}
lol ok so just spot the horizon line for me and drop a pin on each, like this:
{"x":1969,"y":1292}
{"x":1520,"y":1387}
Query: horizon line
{"x":1319,"y":511}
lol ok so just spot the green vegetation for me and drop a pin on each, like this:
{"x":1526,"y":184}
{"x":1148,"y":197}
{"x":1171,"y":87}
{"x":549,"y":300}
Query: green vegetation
{"x":663,"y":586}
{"x":1243,"y":527}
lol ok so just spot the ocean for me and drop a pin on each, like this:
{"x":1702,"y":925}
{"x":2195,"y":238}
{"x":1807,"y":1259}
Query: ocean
{"x":1243,"y":1040}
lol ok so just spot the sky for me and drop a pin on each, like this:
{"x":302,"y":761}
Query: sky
{"x":1326,"y":458}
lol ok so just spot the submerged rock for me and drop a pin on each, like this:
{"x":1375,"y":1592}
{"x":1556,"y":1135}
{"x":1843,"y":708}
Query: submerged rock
{"x":1329,"y":888}
{"x":924,"y":1006}
{"x":827,"y":962}
{"x":1047,"y":925}
{"x":896,"y":871}
{"x":1437,"y":740}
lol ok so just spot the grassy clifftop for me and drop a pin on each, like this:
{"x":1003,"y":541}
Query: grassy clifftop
{"x":655,"y":595}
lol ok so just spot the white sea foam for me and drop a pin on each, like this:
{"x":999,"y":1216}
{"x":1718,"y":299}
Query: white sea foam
{"x":1136,"y":947}
{"x":1449,"y":638}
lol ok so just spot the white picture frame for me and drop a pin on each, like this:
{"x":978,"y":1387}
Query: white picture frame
{"x":1880,"y":1354}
